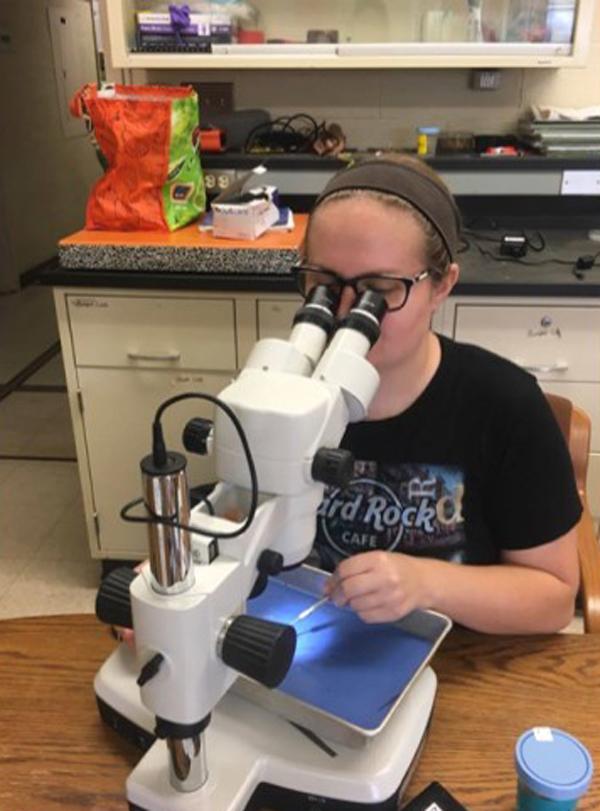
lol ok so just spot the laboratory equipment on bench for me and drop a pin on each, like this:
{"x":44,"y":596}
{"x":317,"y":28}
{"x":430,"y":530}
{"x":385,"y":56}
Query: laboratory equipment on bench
{"x":275,"y":440}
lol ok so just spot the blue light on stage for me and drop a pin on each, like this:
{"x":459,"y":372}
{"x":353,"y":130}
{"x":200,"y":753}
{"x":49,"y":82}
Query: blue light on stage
{"x":342,"y":665}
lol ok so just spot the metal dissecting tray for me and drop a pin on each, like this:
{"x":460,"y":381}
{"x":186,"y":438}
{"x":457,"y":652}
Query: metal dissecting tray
{"x":348,"y":676}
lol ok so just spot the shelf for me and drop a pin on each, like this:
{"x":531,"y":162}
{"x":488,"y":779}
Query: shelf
{"x":409,"y":55}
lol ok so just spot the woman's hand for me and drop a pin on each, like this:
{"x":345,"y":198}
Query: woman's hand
{"x":380,"y":586}
{"x":529,"y":591}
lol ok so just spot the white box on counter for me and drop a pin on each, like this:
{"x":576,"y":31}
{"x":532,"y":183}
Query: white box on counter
{"x":248,"y":219}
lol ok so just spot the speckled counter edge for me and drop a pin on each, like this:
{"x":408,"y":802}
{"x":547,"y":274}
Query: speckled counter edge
{"x":188,"y":260}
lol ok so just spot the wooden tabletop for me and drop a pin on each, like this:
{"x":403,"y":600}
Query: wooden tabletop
{"x":56,"y":755}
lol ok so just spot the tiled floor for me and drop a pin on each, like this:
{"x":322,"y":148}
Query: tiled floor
{"x":45,"y":565}
{"x":27,"y":328}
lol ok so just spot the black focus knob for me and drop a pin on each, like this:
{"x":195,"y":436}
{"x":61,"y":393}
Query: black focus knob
{"x":270,"y":562}
{"x":259,"y":648}
{"x":195,"y":435}
{"x":333,"y":466}
{"x":113,"y":601}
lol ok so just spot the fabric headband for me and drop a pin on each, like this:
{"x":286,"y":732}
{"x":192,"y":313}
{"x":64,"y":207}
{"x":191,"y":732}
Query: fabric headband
{"x":401,"y":180}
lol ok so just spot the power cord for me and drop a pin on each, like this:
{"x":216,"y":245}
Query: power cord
{"x":585,"y":262}
{"x":537,"y":246}
{"x":294,"y":133}
{"x":160,"y":456}
{"x":579,"y":265}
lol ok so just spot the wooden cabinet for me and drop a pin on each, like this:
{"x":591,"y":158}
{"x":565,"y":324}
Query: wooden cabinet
{"x":557,"y":340}
{"x":355,"y":34}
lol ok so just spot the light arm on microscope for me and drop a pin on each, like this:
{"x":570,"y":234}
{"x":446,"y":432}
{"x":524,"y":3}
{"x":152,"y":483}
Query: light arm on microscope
{"x":275,"y":442}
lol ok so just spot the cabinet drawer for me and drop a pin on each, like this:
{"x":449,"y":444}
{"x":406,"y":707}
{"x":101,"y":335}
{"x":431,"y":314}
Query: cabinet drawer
{"x":554,"y":343}
{"x":275,"y":317}
{"x":153,"y":332}
{"x":115,"y":447}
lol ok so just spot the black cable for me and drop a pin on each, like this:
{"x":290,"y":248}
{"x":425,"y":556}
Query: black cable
{"x":540,"y":263}
{"x":541,"y":242}
{"x":285,"y":125}
{"x":138,"y":519}
{"x":208,"y":504}
{"x":464,"y":244}
{"x":537,"y":246}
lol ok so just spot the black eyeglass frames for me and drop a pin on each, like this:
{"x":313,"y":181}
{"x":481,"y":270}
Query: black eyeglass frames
{"x":394,"y":289}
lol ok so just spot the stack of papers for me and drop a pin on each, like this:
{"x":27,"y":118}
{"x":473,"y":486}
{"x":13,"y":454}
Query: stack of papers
{"x":564,"y":132}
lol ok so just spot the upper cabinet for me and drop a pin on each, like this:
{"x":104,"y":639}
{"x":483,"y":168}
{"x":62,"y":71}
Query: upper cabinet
{"x":349,"y":33}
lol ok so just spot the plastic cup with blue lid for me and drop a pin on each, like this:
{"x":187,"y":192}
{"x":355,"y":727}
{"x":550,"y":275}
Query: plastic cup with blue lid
{"x":554,"y":770}
{"x":427,"y":140}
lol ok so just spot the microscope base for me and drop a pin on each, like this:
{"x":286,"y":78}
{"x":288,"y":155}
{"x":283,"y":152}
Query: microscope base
{"x":258,"y":759}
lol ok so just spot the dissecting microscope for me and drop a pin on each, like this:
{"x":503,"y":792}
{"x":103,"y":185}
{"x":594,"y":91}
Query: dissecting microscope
{"x":275,"y":441}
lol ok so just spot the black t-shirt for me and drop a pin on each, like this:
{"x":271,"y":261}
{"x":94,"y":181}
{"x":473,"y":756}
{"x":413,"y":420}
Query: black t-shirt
{"x":476,"y":465}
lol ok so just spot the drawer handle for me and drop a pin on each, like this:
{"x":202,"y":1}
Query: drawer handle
{"x":163,"y":356}
{"x":559,"y":366}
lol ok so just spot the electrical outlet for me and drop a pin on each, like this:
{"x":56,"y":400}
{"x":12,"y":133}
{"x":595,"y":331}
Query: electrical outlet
{"x":485,"y":79}
{"x":214,"y":97}
{"x":217,"y":180}
{"x":225,"y":179}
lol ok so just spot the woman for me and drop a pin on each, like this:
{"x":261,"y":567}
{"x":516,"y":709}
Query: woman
{"x":464,"y":499}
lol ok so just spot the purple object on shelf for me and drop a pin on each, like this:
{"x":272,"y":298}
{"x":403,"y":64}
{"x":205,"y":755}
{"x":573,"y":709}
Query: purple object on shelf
{"x":180,"y":16}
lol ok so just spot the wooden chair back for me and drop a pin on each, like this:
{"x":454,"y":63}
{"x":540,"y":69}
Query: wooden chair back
{"x":575,"y":425}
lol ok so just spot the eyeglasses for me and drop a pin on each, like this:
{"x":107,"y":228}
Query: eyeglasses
{"x":394,"y":289}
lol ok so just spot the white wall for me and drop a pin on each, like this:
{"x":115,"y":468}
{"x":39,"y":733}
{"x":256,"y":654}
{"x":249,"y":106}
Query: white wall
{"x":45,"y":175}
{"x":382,"y":108}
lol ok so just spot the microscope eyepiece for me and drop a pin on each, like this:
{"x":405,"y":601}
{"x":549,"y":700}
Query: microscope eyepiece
{"x":319,"y":308}
{"x":324,"y":296}
{"x":366,"y":315}
{"x":373,"y":303}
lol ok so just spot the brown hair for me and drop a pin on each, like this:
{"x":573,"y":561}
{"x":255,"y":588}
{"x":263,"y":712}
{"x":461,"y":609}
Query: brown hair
{"x":437,"y":254}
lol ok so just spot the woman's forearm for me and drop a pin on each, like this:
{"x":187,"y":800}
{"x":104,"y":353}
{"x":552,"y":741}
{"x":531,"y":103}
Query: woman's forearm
{"x":500,"y":599}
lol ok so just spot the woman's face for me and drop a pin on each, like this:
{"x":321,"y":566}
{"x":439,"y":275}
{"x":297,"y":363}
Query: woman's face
{"x":356,"y":236}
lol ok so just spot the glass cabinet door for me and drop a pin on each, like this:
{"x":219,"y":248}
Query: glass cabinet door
{"x":298,"y":22}
{"x":490,"y":29}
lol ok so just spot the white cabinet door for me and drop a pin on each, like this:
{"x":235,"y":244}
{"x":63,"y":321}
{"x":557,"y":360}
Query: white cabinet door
{"x":555,"y":342}
{"x":275,"y":317}
{"x":118,"y":409}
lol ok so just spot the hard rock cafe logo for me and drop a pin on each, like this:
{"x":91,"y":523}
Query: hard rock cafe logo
{"x":370,"y":515}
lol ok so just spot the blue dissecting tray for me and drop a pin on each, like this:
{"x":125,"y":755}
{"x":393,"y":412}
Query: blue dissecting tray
{"x":346,"y":674}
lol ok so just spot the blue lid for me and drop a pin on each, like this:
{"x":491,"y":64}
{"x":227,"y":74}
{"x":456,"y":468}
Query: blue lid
{"x":553,"y":763}
{"x":429,"y":130}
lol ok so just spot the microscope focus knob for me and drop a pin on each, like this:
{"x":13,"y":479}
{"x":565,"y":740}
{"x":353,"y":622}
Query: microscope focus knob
{"x":333,"y":466}
{"x":259,"y":648}
{"x":195,"y":435}
{"x":113,"y":601}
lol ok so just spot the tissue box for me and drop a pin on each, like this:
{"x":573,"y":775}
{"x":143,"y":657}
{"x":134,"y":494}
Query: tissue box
{"x":244,"y":220}
{"x":239,"y":214}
